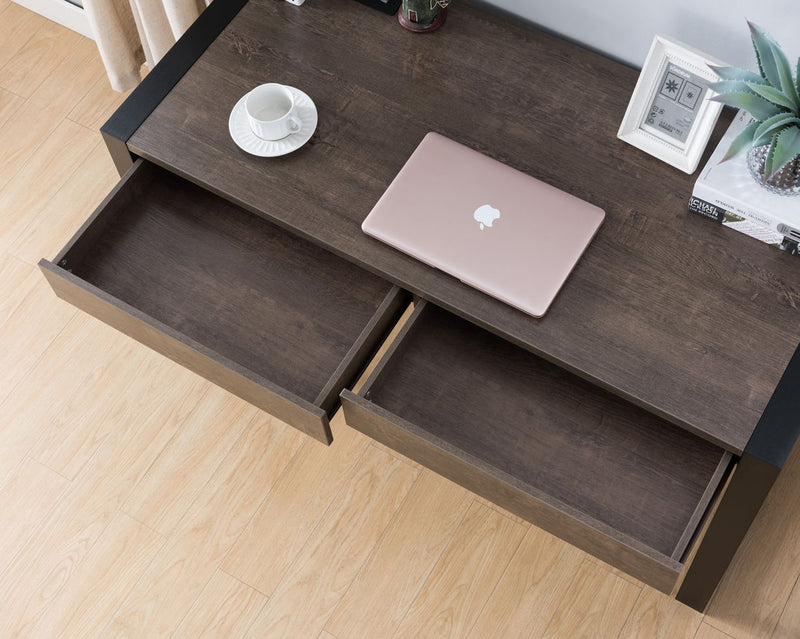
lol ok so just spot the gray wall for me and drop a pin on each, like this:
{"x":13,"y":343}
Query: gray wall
{"x":624,"y":29}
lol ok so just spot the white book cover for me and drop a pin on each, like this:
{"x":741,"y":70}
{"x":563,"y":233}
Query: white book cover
{"x":728,"y":193}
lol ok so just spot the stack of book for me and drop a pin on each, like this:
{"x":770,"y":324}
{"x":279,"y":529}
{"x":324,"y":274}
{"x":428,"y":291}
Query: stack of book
{"x":728,"y":194}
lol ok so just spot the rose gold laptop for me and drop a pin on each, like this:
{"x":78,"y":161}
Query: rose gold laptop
{"x":493,"y":227}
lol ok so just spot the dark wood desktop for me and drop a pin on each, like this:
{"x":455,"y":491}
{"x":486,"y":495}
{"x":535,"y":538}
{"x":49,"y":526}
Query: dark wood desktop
{"x":643,"y":418}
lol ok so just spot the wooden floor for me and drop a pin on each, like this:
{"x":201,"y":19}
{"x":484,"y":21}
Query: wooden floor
{"x":138,"y":500}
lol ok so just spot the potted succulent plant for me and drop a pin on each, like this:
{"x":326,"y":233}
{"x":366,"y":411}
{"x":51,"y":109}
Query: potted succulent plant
{"x":772,"y":98}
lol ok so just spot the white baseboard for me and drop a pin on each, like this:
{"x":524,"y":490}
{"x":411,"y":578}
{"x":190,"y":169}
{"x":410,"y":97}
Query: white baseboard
{"x":62,"y":12}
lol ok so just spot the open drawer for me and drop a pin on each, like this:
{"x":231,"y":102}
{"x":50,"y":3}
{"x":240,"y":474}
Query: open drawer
{"x":593,"y":469}
{"x":273,"y":318}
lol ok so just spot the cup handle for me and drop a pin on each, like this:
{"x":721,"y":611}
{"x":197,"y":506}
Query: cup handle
{"x":295,"y":124}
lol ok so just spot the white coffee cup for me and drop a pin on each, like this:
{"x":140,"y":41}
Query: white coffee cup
{"x":272,"y":112}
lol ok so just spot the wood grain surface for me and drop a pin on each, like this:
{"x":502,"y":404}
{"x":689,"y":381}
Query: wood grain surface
{"x":686,"y":318}
{"x":447,"y":605}
{"x":388,"y":583}
{"x":528,"y":588}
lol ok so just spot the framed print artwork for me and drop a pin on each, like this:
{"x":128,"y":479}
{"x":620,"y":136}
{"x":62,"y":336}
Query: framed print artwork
{"x":670,"y":115}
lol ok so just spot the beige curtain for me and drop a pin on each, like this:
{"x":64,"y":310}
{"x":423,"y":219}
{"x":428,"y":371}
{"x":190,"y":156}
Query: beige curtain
{"x":130,"y":33}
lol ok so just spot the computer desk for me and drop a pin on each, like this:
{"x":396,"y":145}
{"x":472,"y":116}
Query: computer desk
{"x":644,"y":418}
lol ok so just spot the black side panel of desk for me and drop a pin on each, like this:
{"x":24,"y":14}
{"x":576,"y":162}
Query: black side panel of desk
{"x":166,"y":74}
{"x":766,"y":453}
{"x":779,"y":426}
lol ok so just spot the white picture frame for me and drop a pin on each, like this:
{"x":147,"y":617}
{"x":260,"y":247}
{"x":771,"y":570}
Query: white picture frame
{"x":669,"y":63}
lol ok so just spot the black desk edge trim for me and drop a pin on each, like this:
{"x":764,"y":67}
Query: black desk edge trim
{"x":164,"y":76}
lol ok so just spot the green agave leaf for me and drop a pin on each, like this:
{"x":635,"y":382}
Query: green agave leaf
{"x":768,"y":159}
{"x":734,"y":73}
{"x":741,"y":142}
{"x":797,"y":77}
{"x":773,"y":125}
{"x":733,"y":86}
{"x":787,"y":85}
{"x":755,"y":105}
{"x":764,"y":55}
{"x":773,"y":95}
{"x":785,"y":148}
{"x":762,"y":140}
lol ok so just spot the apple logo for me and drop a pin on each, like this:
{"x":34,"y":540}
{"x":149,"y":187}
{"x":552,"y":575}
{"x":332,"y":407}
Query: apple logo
{"x":485,"y":215}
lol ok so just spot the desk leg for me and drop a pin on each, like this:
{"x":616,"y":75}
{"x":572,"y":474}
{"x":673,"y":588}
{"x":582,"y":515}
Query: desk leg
{"x":738,"y":507}
{"x":120,"y":154}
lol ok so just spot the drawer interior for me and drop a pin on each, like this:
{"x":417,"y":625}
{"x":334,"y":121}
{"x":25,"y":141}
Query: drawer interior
{"x":579,"y":448}
{"x":240,"y":286}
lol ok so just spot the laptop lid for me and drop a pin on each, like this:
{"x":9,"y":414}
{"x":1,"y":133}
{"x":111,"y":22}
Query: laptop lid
{"x":493,"y":227}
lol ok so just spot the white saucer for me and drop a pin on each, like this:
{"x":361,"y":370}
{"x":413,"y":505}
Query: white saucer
{"x":248,"y":141}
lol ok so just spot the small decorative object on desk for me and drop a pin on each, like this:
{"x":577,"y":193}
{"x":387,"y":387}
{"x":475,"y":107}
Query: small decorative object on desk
{"x":772,"y":98}
{"x":421,"y":16}
{"x":670,"y":115}
{"x":726,"y":193}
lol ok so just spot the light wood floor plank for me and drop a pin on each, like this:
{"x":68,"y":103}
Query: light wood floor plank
{"x":76,"y":425}
{"x":49,"y":167}
{"x":24,"y":337}
{"x":71,"y":80}
{"x":595,"y":607}
{"x":33,"y":580}
{"x":17,"y":279}
{"x":789,"y":621}
{"x":265,"y":551}
{"x":100,"y":583}
{"x":383,"y":591}
{"x":168,"y":589}
{"x":225,"y":610}
{"x":535,"y":582}
{"x":657,"y":616}
{"x":309,"y":593}
{"x":10,"y":103}
{"x":41,"y":404}
{"x":617,"y":571}
{"x":56,"y":402}
{"x":20,"y":136}
{"x":502,"y":511}
{"x":705,"y":631}
{"x":751,"y":597}
{"x":187,"y":462}
{"x":41,"y":54}
{"x":17,"y":26}
{"x":67,"y":210}
{"x":97,"y":105}
{"x":448,"y":604}
{"x":26,"y":498}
